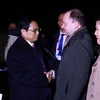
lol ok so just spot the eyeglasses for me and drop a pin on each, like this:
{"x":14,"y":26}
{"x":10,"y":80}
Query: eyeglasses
{"x":35,"y":30}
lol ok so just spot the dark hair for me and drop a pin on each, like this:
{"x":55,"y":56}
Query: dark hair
{"x":97,"y":18}
{"x":77,"y":15}
{"x":23,"y":24}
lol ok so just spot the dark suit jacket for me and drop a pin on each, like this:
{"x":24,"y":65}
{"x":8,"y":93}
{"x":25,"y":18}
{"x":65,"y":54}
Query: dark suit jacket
{"x":26,"y":78}
{"x":55,"y":63}
{"x":55,"y":39}
{"x":74,"y":68}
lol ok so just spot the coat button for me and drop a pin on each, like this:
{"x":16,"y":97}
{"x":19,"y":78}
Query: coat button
{"x":92,"y":83}
{"x":92,"y":96}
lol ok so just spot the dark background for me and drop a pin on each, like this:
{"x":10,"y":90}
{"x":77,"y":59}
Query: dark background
{"x":46,"y":12}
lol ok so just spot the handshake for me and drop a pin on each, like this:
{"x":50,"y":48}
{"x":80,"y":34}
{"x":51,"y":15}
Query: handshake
{"x":49,"y":75}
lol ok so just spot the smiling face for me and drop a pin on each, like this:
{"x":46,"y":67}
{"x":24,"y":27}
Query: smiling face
{"x":32,"y":33}
{"x":97,"y":31}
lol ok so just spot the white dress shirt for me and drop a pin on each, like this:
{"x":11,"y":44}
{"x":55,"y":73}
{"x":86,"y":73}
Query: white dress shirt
{"x":57,"y":46}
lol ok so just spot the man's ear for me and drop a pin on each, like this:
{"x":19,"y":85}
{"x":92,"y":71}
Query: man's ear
{"x":23,"y":30}
{"x":77,"y":25}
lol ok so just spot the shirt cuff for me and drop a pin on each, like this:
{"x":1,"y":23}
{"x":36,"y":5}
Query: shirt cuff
{"x":53,"y":74}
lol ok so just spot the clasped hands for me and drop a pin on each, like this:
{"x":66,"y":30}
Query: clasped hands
{"x":49,"y":75}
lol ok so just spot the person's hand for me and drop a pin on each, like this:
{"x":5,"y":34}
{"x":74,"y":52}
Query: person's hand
{"x":49,"y":75}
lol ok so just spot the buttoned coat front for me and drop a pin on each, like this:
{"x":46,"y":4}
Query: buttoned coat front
{"x":94,"y":82}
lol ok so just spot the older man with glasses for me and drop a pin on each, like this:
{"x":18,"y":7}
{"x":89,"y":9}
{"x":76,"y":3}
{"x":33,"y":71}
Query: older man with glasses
{"x":26,"y":66}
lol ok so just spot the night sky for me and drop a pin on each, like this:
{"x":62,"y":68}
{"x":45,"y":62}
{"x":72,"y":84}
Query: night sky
{"x":46,"y":12}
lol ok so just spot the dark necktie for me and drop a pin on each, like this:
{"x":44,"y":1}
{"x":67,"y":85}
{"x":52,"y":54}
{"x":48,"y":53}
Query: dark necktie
{"x":60,"y":45}
{"x":40,"y":57}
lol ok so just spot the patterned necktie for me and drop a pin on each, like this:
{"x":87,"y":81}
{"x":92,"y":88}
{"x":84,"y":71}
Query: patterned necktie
{"x":60,"y":45}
